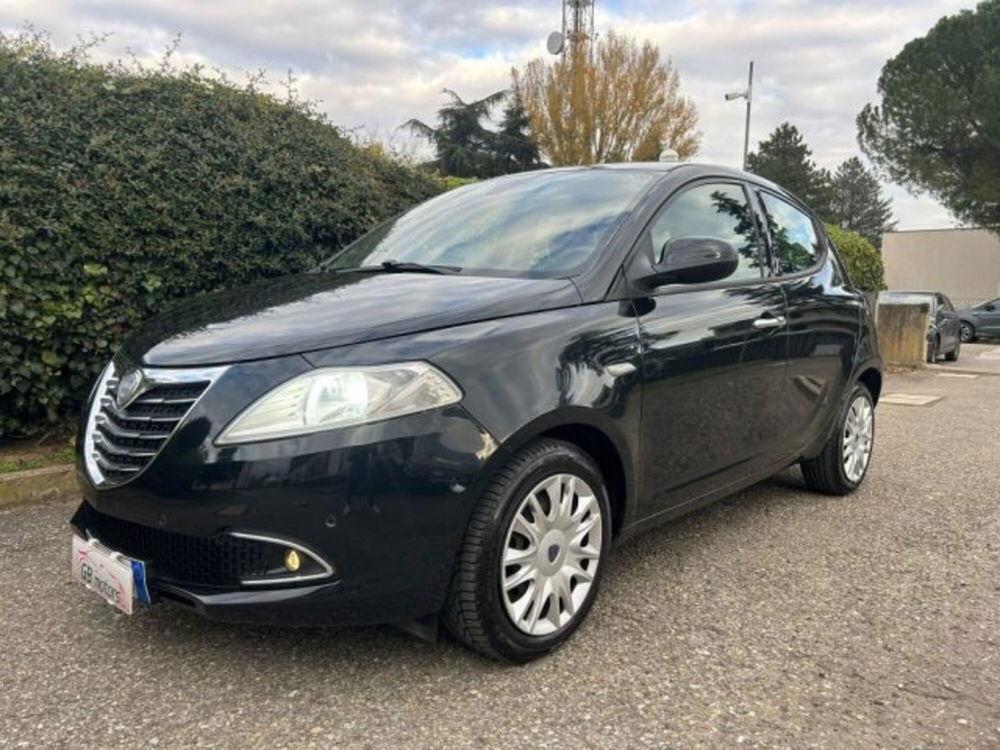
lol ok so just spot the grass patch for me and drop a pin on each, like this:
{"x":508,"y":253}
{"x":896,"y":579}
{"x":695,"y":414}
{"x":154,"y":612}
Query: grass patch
{"x":24,"y":455}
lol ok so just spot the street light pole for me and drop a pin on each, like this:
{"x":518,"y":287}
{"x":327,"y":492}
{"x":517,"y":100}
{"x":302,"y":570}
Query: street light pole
{"x":748,"y":95}
{"x":746,"y":136}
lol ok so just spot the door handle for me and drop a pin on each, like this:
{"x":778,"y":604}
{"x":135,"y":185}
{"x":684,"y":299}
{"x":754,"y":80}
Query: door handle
{"x":770,"y":322}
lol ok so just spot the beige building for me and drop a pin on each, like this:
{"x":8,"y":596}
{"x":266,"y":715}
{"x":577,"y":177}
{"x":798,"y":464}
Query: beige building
{"x":962,"y":263}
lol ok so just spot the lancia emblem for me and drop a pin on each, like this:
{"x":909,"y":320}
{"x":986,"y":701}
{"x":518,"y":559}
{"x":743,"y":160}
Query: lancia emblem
{"x":128,"y":388}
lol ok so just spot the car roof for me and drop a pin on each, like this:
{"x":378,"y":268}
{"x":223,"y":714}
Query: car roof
{"x":668,"y":170}
{"x":693,"y":169}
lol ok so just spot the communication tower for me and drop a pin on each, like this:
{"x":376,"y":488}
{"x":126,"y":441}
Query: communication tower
{"x":577,"y":27}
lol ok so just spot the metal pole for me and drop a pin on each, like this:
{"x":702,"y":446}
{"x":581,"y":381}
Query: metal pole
{"x":746,"y":137}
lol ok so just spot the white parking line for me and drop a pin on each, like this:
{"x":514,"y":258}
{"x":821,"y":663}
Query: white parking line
{"x":962,"y":375}
{"x":993,"y":353}
{"x":909,"y":399}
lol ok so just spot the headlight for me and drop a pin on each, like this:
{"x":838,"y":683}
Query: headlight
{"x":334,"y":397}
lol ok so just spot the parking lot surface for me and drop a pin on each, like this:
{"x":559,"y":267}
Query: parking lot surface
{"x":775,"y":618}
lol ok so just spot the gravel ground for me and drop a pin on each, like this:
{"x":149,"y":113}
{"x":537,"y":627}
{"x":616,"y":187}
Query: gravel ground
{"x":775,"y":618}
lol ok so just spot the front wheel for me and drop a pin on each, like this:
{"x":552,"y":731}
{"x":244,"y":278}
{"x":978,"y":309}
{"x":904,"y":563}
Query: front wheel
{"x":968,"y":333}
{"x":933,"y":348}
{"x":533,"y":554}
{"x":841,"y":467}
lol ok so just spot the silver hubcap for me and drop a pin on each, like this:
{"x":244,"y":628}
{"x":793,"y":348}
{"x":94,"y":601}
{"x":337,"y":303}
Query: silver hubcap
{"x":551,"y":554}
{"x":859,"y":432}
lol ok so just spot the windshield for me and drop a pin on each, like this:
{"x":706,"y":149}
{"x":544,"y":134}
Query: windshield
{"x":541,"y":224}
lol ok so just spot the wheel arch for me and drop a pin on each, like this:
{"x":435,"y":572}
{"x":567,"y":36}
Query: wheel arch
{"x":872,"y":380}
{"x":595,"y":435}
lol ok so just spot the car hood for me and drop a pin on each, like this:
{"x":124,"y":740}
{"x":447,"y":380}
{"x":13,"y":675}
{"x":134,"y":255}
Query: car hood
{"x":307,"y":312}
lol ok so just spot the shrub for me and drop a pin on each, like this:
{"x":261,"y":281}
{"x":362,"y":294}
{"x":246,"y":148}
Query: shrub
{"x":863,"y":261}
{"x":124,"y":189}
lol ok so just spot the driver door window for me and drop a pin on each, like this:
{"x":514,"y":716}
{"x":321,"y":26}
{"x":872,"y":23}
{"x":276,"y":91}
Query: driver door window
{"x":720,"y":211}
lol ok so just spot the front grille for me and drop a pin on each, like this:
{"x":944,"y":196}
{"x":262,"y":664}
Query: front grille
{"x":219,"y":560}
{"x":122,"y":440}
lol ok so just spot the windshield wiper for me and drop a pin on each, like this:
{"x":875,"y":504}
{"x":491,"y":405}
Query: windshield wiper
{"x":395,"y":266}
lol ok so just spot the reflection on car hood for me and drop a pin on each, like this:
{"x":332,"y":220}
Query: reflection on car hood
{"x":308,"y":312}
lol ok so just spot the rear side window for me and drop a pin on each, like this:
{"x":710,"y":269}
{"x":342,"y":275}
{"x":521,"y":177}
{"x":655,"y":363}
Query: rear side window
{"x":796,"y":243}
{"x":719,"y":211}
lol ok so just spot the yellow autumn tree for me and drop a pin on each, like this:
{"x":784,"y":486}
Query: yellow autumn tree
{"x":616,"y":102}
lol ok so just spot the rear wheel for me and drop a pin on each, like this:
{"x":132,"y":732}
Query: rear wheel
{"x":968,"y":333}
{"x":952,"y":356}
{"x":842,"y":465}
{"x":533,"y":554}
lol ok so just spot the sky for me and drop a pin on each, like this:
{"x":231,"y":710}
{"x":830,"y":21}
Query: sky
{"x":373,"y":64}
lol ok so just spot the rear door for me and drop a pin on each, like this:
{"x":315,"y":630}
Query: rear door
{"x":824,"y":319}
{"x":713,"y":354}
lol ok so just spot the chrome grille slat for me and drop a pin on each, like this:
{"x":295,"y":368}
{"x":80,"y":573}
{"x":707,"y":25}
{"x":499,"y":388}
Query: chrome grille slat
{"x":108,"y":426}
{"x":107,"y":447}
{"x":121,"y":441}
{"x":111,"y":466}
{"x":108,"y":407}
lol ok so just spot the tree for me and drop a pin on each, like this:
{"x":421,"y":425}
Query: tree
{"x":784,"y":159}
{"x":863,"y":261}
{"x":464,"y":146}
{"x":514,"y":150}
{"x":937,"y":127}
{"x":615,"y":100}
{"x":858,"y":204}
{"x":126,"y":188}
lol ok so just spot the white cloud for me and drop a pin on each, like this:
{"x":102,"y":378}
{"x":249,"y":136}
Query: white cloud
{"x":376,"y":63}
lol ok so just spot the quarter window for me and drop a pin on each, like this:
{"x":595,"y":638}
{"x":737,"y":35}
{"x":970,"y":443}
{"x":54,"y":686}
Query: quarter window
{"x":796,"y":243}
{"x":719,"y":211}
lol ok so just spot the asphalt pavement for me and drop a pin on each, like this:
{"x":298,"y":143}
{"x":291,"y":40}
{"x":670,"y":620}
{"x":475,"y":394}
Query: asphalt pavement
{"x":775,"y":618}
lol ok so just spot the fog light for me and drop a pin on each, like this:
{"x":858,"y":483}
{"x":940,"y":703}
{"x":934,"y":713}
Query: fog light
{"x":292,"y":560}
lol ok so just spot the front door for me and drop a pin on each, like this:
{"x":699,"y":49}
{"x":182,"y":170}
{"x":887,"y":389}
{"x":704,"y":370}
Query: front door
{"x":989,"y":319}
{"x":713,"y":355}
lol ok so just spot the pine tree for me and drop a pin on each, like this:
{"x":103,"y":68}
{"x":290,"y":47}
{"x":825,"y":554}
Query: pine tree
{"x":514,"y":148}
{"x":784,"y":158}
{"x":464,"y":145}
{"x":858,"y":203}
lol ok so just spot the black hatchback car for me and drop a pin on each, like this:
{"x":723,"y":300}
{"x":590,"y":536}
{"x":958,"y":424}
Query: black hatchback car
{"x":455,"y":417}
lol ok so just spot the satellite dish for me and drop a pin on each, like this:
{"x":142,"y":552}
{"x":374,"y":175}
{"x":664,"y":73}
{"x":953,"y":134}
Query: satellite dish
{"x":556,"y":43}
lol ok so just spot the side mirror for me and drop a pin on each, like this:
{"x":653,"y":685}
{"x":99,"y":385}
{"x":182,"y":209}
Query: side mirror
{"x":694,"y":260}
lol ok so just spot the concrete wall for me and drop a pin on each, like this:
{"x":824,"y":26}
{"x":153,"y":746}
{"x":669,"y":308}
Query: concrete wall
{"x":902,"y":334}
{"x":962,"y":263}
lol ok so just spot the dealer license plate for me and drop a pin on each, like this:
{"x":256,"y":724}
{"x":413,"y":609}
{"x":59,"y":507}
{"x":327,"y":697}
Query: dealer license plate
{"x":118,"y":580}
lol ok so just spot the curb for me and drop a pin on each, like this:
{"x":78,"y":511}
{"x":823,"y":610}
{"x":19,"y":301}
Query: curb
{"x":50,"y":484}
{"x":963,"y":370}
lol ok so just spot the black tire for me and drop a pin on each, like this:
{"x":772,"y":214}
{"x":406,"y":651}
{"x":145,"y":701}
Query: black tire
{"x":933,"y":350}
{"x":952,"y":356}
{"x":825,"y":473}
{"x":474,"y":612}
{"x":968,"y":333}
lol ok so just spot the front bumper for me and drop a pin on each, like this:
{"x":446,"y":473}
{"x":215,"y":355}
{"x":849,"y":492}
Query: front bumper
{"x":384,"y":504}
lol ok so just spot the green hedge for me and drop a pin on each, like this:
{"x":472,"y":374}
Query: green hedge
{"x":124,"y":189}
{"x":863,"y":260}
